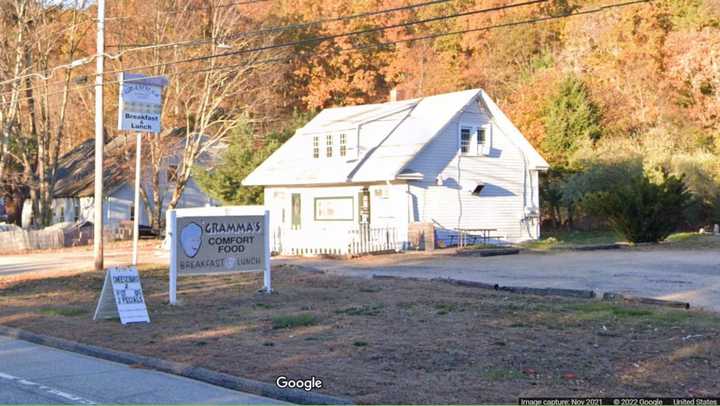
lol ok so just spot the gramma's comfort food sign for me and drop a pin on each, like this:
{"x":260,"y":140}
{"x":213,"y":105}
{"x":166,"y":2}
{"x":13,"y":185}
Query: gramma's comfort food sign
{"x":209,"y":240}
{"x":220,"y":244}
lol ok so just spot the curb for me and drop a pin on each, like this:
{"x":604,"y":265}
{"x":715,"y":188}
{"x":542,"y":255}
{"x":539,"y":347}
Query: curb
{"x":576,"y":293}
{"x":599,"y":247}
{"x":493,"y":252}
{"x":175,"y":368}
{"x":612,"y":296}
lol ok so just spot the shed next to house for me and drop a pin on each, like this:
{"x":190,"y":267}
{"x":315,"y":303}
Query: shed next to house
{"x":372,"y":171}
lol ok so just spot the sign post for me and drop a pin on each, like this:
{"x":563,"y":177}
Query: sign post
{"x":140,"y":107}
{"x":136,"y":213}
{"x":217,"y":240}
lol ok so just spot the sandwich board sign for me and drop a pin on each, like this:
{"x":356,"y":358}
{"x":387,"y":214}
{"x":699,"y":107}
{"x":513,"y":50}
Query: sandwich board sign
{"x":122,"y":296}
{"x":217,"y":240}
{"x":140,"y":102}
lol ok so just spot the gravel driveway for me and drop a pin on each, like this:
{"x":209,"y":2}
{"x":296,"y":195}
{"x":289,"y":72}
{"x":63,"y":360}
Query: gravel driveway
{"x":687,"y":275}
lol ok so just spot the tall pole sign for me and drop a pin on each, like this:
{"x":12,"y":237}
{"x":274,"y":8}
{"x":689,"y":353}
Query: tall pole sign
{"x":140,"y":107}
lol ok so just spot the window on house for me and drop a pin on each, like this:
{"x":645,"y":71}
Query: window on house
{"x":481,"y":136}
{"x":316,"y":147}
{"x":132,"y":213}
{"x":343,"y":144}
{"x":329,"y":146}
{"x":76,"y":210}
{"x":465,"y":139}
{"x":172,"y":173}
{"x":61,"y":214}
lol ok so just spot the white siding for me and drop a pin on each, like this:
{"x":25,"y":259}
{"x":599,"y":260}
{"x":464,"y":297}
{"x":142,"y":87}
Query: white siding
{"x":312,"y":234}
{"x":509,"y":185}
{"x":388,"y":209}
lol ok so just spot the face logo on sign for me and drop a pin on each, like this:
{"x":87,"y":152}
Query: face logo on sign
{"x":230,"y":262}
{"x":191,"y":239}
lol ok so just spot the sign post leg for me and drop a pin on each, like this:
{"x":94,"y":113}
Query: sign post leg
{"x":170,"y":236}
{"x":138,"y":176}
{"x":267,"y":284}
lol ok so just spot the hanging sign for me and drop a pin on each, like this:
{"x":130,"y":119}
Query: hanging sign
{"x":140,"y":102}
{"x":122,"y":296}
{"x":210,"y":240}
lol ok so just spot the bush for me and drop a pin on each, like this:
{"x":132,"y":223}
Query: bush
{"x":640,"y":210}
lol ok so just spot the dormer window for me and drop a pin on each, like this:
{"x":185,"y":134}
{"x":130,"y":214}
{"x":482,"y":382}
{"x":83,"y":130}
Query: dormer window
{"x":343,"y":145}
{"x":329,"y":146}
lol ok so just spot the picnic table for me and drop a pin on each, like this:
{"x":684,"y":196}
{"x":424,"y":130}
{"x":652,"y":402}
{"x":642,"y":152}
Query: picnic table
{"x":485,"y":234}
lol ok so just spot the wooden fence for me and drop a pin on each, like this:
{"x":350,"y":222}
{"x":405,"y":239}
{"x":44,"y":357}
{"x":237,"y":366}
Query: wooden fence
{"x":14,"y":239}
{"x":24,"y":240}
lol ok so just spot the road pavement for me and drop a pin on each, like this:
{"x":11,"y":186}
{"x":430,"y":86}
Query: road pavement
{"x":34,"y":374}
{"x":78,"y":259}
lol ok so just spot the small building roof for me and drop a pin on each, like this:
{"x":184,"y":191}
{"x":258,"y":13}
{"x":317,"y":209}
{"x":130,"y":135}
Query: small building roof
{"x":402,"y":129}
{"x":76,"y":170}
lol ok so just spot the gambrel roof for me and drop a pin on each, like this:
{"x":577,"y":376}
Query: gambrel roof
{"x":389,"y":136}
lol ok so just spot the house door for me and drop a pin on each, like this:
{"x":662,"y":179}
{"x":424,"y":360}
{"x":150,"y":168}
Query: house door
{"x":296,"y":211}
{"x":364,"y":207}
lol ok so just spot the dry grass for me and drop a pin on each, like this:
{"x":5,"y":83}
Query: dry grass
{"x":390,"y":341}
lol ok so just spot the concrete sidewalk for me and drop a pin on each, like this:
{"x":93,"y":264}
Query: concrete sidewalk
{"x":34,"y":374}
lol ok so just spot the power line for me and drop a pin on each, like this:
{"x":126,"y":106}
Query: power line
{"x":393,"y":43}
{"x":333,"y":36}
{"x":185,"y":10}
{"x":49,"y":72}
{"x":288,"y":27}
{"x":423,"y":38}
{"x":324,"y":38}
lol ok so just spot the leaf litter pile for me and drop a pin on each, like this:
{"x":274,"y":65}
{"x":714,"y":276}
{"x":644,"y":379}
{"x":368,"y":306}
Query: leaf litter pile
{"x":391,"y":341}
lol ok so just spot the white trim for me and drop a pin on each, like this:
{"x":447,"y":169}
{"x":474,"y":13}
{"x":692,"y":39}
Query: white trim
{"x":536,"y":161}
{"x":474,"y":148}
{"x":171,"y":226}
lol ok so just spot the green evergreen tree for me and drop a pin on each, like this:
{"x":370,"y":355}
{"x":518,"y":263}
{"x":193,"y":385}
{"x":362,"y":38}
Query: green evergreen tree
{"x":245,"y":152}
{"x":570,"y":119}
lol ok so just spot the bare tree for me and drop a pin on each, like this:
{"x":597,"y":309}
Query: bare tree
{"x":34,"y":118}
{"x":16,"y":19}
{"x":206,"y":98}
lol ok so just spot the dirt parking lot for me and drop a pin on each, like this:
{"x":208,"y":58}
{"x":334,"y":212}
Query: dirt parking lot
{"x":691,"y":275}
{"x":391,"y":341}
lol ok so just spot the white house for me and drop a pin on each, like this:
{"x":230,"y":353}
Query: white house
{"x":370,"y":172}
{"x":74,"y":189}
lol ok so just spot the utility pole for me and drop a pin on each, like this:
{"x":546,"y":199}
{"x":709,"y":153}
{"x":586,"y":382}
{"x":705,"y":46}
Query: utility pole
{"x":99,"y":137}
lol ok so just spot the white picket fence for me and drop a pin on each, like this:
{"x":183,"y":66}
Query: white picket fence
{"x":355,"y":241}
{"x":367,"y":240}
